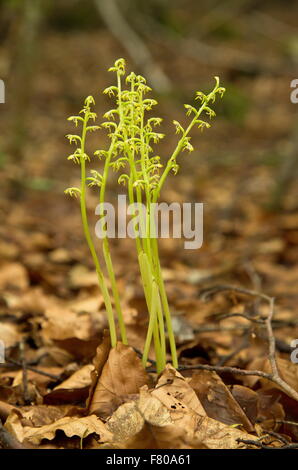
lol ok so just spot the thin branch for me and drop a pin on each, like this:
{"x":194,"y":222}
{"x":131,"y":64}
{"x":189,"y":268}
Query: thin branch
{"x":7,"y":441}
{"x":261,"y":445}
{"x":274,"y":376}
{"x":209,"y":292}
{"x":241,"y":315}
{"x":12,"y":363}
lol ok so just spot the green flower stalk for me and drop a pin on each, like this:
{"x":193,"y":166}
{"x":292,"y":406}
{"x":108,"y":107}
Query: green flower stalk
{"x":80,"y":157}
{"x":132,"y":137}
{"x":135,"y":136}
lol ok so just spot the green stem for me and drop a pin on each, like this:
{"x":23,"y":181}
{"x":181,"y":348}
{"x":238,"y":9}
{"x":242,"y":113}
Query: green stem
{"x":152,"y":322}
{"x":101,"y":280}
{"x":110,"y":269}
{"x":106,"y":245}
{"x":176,"y":152}
{"x":165,"y":305}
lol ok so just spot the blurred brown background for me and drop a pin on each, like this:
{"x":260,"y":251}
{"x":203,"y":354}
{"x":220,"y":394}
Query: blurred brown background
{"x":53,"y":54}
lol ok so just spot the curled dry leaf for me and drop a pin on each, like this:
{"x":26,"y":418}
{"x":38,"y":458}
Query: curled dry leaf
{"x":78,"y":349}
{"x":121,"y":376}
{"x":71,"y":426}
{"x":159,"y":437}
{"x":176,"y":394}
{"x":149,"y":423}
{"x":34,"y":300}
{"x":288,"y":371}
{"x":125,"y":422}
{"x":270,"y":410}
{"x":9,"y":334}
{"x":61,"y":323}
{"x":13,"y":275}
{"x":217,"y":400}
{"x":72,"y":390}
{"x":76,"y":332}
{"x":37,"y":384}
{"x":215,"y":435}
{"x":248,"y":400}
{"x":145,"y":424}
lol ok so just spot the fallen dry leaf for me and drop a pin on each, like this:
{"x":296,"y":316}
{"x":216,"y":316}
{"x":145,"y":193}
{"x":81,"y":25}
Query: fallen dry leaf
{"x":176,"y":394}
{"x":72,"y":390}
{"x":13,"y":275}
{"x":216,"y":435}
{"x":80,"y":276}
{"x":145,"y":424}
{"x":71,"y":426}
{"x":121,"y":376}
{"x":149,"y":423}
{"x":9,"y":334}
{"x":288,"y":372}
{"x":248,"y":400}
{"x":217,"y":400}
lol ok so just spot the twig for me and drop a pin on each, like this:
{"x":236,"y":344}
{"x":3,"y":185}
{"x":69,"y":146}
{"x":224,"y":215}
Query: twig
{"x":261,"y":445}
{"x":279,"y":437}
{"x":209,"y":292}
{"x":241,"y":315}
{"x":12,"y":362}
{"x":284,"y":421}
{"x":224,"y":370}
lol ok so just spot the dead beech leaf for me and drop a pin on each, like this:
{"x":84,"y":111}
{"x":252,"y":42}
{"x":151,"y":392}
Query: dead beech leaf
{"x":71,"y":426}
{"x":152,"y":409}
{"x":5,"y":410}
{"x":158,"y":437}
{"x":80,"y":276}
{"x":145,"y":424}
{"x":148,"y":423}
{"x":270,"y":410}
{"x":125,"y":422}
{"x":33,"y":300}
{"x":288,"y":371}
{"x":13,"y":275}
{"x":248,"y":400}
{"x":61,"y":323}
{"x":217,"y":400}
{"x":78,"y":348}
{"x":72,"y":390}
{"x":87,"y":305}
{"x":9,"y":334}
{"x":122,"y":375}
{"x":216,"y":435}
{"x":101,"y":357}
{"x":40,"y":415}
{"x":176,"y":394}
